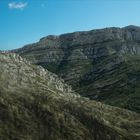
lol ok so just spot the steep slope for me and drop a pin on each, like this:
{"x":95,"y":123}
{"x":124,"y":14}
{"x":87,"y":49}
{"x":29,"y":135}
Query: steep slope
{"x":101,"y":64}
{"x":34,"y":107}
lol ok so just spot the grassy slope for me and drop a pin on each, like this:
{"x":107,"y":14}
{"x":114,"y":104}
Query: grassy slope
{"x":37,"y":116}
{"x":30,"y":112}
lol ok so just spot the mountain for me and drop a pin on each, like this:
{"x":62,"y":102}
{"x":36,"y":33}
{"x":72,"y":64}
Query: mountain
{"x":101,"y":64}
{"x":37,"y":105}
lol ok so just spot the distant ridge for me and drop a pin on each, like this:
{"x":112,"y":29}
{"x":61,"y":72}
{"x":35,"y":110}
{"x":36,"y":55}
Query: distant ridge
{"x":102,"y":64}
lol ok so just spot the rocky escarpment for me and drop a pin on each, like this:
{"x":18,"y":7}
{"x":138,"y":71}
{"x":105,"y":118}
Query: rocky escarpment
{"x":22,"y":73}
{"x":101,"y":64}
{"x":33,"y":107}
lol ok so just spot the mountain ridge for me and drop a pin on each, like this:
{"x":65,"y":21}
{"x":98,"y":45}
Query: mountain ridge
{"x":101,"y":64}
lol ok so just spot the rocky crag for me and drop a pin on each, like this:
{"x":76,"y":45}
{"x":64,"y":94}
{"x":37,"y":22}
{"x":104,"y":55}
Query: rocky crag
{"x":37,"y":105}
{"x":102,"y":64}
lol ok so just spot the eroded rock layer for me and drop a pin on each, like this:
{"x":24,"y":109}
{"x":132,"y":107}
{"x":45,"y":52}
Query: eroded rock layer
{"x":101,"y":64}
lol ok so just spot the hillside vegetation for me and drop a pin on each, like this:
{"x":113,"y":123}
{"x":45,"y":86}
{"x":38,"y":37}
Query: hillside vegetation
{"x":37,"y":105}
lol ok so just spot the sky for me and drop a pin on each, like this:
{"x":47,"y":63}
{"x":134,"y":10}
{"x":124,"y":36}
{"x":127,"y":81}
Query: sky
{"x":26,"y":21}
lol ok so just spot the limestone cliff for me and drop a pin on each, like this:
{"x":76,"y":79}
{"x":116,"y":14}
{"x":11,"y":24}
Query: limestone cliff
{"x":100,"y":64}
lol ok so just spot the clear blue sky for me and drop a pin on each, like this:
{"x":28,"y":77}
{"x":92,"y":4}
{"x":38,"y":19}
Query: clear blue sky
{"x":26,"y":21}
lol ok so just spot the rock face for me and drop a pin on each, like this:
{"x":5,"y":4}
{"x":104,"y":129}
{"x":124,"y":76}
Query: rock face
{"x":36,"y":105}
{"x":22,"y":73}
{"x":101,"y":64}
